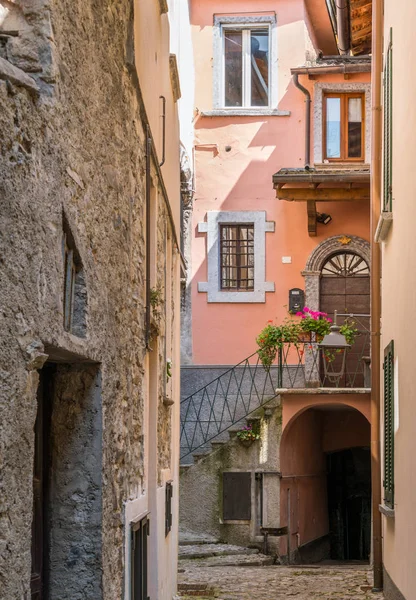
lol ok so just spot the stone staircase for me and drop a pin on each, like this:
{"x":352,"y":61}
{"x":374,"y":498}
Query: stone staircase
{"x":220,"y":441}
{"x":206,"y":551}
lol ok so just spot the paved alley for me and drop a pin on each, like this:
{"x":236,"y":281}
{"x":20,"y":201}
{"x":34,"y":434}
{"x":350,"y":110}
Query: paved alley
{"x":275,"y":582}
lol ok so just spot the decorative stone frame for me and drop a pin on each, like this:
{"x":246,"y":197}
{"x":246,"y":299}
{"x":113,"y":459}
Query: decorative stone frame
{"x":211,"y":227}
{"x":320,"y":89}
{"x":319,"y":256}
{"x":219,"y":22}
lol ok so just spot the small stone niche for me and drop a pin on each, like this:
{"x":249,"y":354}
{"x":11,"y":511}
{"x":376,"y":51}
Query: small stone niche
{"x":75,"y":300}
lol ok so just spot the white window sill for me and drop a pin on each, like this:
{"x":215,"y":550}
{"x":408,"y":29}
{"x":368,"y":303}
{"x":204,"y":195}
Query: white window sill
{"x":245,"y":112}
{"x":386,"y":511}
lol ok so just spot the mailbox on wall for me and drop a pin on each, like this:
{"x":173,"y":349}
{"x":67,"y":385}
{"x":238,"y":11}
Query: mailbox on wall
{"x":296,"y":300}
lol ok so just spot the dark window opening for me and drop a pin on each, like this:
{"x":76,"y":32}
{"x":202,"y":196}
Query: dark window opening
{"x":139,"y":534}
{"x":236,"y":496}
{"x":168,"y":507}
{"x":237,"y":257}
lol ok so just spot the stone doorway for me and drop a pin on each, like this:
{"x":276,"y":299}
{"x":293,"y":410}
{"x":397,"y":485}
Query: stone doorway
{"x":67,"y":484}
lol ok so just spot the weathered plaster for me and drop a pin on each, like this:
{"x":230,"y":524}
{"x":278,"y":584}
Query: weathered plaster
{"x":319,"y":89}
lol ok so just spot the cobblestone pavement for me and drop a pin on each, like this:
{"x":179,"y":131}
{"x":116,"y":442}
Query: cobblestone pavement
{"x":329,"y":582}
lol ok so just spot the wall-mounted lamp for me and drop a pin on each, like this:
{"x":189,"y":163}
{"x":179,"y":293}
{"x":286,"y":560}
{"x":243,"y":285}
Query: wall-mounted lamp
{"x":323,"y":218}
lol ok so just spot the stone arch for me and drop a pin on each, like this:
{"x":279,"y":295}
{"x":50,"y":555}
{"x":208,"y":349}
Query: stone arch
{"x":321,"y":253}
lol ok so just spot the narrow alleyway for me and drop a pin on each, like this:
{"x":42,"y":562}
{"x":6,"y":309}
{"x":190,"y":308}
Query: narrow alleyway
{"x":327,"y":582}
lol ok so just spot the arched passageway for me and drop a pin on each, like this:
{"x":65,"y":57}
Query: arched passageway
{"x":325,"y":492}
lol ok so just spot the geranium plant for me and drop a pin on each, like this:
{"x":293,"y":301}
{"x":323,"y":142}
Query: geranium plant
{"x":247,"y":434}
{"x":313,"y":325}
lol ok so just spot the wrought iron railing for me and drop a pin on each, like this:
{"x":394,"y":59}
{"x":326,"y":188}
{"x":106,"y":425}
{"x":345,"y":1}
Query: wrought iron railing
{"x":242,"y":389}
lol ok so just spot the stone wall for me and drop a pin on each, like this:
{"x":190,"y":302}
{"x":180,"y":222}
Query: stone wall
{"x":72,"y":146}
{"x":201,"y":492}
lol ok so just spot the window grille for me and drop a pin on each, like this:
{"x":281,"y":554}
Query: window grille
{"x":139,"y":534}
{"x":168,"y":507}
{"x":388,"y":129}
{"x":237,"y":257}
{"x":388,"y":367}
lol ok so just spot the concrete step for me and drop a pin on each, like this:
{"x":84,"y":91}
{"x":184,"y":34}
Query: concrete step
{"x":192,"y":590}
{"x":199,"y":456}
{"x":237,"y":560}
{"x":209,"y":550}
{"x":218,"y":444}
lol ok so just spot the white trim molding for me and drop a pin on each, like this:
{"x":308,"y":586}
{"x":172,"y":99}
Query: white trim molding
{"x":342,"y":88}
{"x":211,"y":228}
{"x":218,"y":68}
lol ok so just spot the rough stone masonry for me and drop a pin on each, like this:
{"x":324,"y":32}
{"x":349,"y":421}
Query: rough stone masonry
{"x":71,"y":151}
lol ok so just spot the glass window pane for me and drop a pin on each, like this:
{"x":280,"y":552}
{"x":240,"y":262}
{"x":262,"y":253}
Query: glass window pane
{"x":233,"y":68}
{"x":354,"y":127}
{"x":259,"y":67}
{"x":333,"y":128}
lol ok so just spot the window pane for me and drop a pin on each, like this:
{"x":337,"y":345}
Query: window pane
{"x":354,"y":127}
{"x":233,"y":68}
{"x":333,"y":127}
{"x":259,"y":67}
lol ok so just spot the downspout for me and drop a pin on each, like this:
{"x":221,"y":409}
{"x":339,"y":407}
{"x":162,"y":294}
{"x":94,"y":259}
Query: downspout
{"x":307,"y":119}
{"x":376,"y":145}
{"x":148,"y":183}
{"x":343,"y":29}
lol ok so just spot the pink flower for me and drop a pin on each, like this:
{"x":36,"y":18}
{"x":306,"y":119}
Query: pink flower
{"x":299,"y":314}
{"x":329,"y":320}
{"x":306,"y":309}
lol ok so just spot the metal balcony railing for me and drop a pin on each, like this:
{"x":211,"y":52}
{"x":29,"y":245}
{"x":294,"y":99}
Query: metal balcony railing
{"x":242,"y":389}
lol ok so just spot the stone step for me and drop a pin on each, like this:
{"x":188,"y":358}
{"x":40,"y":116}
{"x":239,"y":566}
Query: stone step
{"x":209,"y":550}
{"x":218,"y":444}
{"x":199,"y":456}
{"x":237,"y":560}
{"x":189,"y":538}
{"x":190,"y":590}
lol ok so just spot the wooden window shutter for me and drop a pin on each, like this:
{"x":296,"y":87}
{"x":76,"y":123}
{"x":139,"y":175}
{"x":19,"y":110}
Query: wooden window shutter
{"x":236,"y":496}
{"x":388,"y":367}
{"x":388,"y":129}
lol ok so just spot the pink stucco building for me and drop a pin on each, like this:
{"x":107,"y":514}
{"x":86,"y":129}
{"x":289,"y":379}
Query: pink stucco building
{"x":281,"y":155}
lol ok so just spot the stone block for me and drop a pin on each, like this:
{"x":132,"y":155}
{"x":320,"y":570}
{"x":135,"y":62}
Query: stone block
{"x":16,"y":76}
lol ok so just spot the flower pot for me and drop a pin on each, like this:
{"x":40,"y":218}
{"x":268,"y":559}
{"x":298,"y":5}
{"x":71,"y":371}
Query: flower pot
{"x":246,"y":443}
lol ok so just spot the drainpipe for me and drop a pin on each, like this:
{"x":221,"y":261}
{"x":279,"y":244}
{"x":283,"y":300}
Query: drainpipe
{"x":307,"y":119}
{"x":376,"y":145}
{"x":148,"y":224}
{"x":343,"y":29}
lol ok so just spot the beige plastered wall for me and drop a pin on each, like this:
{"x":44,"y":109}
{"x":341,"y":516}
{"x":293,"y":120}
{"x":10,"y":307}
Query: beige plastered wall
{"x":398,"y":300}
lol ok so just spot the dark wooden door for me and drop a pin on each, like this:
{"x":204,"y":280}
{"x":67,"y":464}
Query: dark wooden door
{"x":38,"y":583}
{"x":345,"y":287}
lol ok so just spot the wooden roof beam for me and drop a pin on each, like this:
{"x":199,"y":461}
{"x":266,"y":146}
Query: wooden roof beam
{"x":322,"y":194}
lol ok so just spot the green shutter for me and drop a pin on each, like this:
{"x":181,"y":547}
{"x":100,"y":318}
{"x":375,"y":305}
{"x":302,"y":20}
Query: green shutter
{"x":388,"y":367}
{"x":388,"y":128}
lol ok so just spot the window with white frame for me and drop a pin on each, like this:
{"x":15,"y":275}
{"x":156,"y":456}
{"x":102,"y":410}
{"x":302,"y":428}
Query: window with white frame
{"x":246,"y":66}
{"x":245,"y":63}
{"x":236,"y":262}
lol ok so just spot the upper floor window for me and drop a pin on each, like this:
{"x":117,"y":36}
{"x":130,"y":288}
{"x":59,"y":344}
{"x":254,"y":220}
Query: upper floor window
{"x":237,"y":257}
{"x":344,"y":127}
{"x":246,"y":66}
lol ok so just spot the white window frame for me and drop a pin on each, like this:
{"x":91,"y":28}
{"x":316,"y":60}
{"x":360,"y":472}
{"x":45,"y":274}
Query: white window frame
{"x":212,"y":227}
{"x":247,"y":24}
{"x":246,"y":50}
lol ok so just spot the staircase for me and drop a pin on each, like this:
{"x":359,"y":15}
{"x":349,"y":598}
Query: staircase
{"x":216,"y":411}
{"x":206,"y":551}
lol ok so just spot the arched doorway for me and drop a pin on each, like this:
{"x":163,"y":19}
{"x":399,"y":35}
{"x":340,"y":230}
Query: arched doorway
{"x":325,"y":491}
{"x":345,"y":288}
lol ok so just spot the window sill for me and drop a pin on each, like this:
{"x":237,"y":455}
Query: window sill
{"x":383,"y":226}
{"x":386,"y":511}
{"x":245,"y":112}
